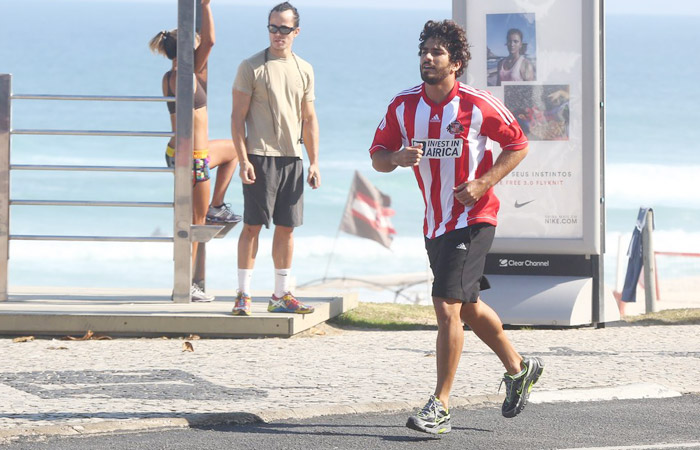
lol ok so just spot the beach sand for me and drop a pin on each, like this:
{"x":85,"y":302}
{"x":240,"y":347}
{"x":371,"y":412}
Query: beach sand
{"x":674,"y":293}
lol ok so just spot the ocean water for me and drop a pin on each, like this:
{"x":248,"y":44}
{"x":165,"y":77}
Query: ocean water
{"x":362,"y":58}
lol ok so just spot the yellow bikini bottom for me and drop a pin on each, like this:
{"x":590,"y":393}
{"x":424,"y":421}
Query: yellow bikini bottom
{"x":196,"y":154}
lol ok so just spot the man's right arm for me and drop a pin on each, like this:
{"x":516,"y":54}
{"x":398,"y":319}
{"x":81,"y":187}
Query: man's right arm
{"x":386,"y":151}
{"x":384,"y":160}
{"x":239,"y":111}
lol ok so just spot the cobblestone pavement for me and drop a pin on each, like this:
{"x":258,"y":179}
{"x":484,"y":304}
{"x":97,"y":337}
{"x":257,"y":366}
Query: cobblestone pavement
{"x":55,"y":382}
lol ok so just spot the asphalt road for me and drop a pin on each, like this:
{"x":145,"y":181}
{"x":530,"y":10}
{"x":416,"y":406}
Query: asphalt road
{"x":621,"y":424}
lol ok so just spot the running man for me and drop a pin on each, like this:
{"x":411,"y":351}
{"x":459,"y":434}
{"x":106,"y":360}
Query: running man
{"x":443,"y":130}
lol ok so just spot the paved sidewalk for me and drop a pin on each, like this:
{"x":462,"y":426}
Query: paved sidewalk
{"x":70,"y":387}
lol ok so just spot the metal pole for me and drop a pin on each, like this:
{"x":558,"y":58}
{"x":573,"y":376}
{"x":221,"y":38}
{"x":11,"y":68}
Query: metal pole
{"x":5,"y":117}
{"x":182,"y":215}
{"x":102,"y":98}
{"x":599,"y":290}
{"x":200,"y":259}
{"x":649,"y":264}
{"x":598,"y":316}
{"x":93,"y":133}
{"x":48,"y":237}
{"x":621,"y":258}
{"x":91,"y":203}
{"x":198,"y":17}
{"x":90,"y":168}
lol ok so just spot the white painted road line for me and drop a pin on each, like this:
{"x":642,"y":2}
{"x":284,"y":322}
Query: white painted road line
{"x":626,"y":392}
{"x":642,"y":447}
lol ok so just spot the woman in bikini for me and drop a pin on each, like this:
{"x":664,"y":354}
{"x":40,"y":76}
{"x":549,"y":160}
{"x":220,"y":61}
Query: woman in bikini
{"x":515,"y":66}
{"x":207,"y":154}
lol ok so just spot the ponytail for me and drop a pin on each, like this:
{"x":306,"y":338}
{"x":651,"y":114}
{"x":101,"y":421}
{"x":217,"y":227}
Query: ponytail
{"x":165,"y":43}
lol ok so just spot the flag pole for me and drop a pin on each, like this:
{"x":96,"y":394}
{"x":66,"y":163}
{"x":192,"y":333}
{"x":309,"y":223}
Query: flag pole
{"x":348,"y":202}
{"x":330,"y":257}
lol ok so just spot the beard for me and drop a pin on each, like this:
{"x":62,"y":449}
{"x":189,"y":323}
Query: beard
{"x":434,"y":77}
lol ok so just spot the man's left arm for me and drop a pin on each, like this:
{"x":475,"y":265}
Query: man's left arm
{"x":470,"y":192}
{"x":310,"y":134}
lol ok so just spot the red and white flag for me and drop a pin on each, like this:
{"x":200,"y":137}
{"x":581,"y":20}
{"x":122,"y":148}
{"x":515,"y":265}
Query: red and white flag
{"x":367,"y":212}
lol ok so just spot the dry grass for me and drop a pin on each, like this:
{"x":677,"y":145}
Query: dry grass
{"x":388,"y":316}
{"x":667,"y":317}
{"x":391,"y":316}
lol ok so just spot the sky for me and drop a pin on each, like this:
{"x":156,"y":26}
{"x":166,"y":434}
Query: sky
{"x":364,"y":4}
{"x":682,"y":7}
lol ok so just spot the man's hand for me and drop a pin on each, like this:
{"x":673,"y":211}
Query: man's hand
{"x":314,"y":177}
{"x":408,"y":156}
{"x":470,"y":192}
{"x":247,"y":172}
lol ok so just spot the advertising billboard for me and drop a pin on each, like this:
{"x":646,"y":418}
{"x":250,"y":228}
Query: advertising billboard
{"x":542,"y":59}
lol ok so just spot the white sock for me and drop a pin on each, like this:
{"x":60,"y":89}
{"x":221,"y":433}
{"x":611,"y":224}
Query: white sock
{"x":281,"y":282}
{"x":244,"y":277}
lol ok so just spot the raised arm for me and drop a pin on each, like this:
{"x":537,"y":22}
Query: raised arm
{"x":310,"y":134}
{"x":206,"y":39}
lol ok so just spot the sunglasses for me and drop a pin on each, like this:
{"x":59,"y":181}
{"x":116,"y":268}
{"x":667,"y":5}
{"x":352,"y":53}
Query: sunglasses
{"x":281,"y":29}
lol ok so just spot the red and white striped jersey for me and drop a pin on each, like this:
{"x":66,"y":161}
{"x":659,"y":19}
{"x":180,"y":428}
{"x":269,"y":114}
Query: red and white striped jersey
{"x":457,"y":137}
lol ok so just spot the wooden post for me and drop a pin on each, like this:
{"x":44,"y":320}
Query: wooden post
{"x":649,"y":264}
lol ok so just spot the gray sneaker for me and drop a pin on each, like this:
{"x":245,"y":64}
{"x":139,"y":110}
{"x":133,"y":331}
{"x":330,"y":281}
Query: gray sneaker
{"x":199,"y":296}
{"x":222,"y":214}
{"x":518,"y":386}
{"x":434,"y":418}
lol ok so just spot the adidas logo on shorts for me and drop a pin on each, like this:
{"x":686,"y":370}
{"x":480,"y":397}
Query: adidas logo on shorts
{"x":461,"y":246}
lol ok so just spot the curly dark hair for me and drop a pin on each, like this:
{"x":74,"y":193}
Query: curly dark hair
{"x":452,"y":37}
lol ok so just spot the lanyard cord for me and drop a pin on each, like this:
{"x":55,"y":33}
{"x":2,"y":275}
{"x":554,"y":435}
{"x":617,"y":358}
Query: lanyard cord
{"x":268,"y":84}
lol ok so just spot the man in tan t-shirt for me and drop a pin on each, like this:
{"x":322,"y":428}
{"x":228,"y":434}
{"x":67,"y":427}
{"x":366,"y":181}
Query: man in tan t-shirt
{"x":273,"y":114}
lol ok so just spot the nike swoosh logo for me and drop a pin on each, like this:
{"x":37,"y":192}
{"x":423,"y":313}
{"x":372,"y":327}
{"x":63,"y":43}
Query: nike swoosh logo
{"x":520,"y":205}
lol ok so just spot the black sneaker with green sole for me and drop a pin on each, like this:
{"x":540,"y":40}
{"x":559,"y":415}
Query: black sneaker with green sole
{"x":434,"y":418}
{"x":518,"y":387}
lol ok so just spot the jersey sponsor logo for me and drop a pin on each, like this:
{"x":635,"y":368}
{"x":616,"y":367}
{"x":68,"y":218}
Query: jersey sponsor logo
{"x":440,"y":148}
{"x":435,"y":118}
{"x":455,"y":127}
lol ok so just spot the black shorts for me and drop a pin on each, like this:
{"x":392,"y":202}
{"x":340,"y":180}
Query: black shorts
{"x":277,"y":194}
{"x":457,"y":259}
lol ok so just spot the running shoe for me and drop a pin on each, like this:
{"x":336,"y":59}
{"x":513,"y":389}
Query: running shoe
{"x":242,"y":306}
{"x":288,"y":304}
{"x":518,"y":386}
{"x":198,"y":295}
{"x":434,"y":418}
{"x":222,"y":214}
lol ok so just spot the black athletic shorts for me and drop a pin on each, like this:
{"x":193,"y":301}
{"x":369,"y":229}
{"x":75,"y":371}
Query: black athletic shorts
{"x":277,"y":194}
{"x":457,"y":259}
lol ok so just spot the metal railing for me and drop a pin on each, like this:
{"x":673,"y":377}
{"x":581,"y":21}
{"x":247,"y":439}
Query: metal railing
{"x":184,"y":233}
